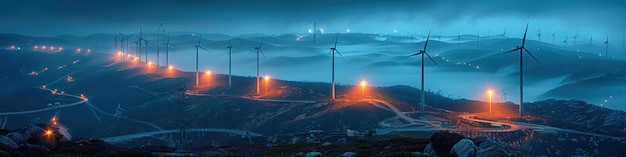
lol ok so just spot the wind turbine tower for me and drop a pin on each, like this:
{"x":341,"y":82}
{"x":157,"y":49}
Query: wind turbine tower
{"x":159,"y":31}
{"x":333,"y":50}
{"x":521,"y":49}
{"x":478,"y":40}
{"x":590,"y":42}
{"x":197,"y":49}
{"x":422,"y":53}
{"x":565,"y":44}
{"x":230,"y":48}
{"x":258,"y":78}
{"x":539,"y":35}
{"x":606,"y":44}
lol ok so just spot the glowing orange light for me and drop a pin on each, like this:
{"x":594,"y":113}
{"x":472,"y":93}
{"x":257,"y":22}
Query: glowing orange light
{"x":129,"y":55}
{"x":60,"y":48}
{"x":208,"y":72}
{"x":53,"y":120}
{"x":36,"y":47}
{"x":170,"y":67}
{"x":12,"y":47}
{"x":78,"y":50}
{"x":136,"y":58}
{"x":267,"y":79}
{"x":490,"y":93}
{"x":149,"y":64}
{"x":51,"y":47}
{"x":43,"y":47}
{"x":119,"y":52}
{"x":48,"y":132}
{"x":363,"y":85}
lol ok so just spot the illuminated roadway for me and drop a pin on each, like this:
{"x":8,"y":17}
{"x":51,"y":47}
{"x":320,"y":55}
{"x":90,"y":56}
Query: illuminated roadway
{"x":47,"y":109}
{"x":509,"y":126}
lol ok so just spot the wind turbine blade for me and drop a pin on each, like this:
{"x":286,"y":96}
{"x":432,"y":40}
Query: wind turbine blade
{"x":340,"y":54}
{"x":526,"y":31}
{"x":261,"y":43}
{"x":261,"y":50}
{"x":415,"y":54}
{"x":431,"y":59}
{"x":204,"y":49}
{"x":511,"y":51}
{"x":531,"y":55}
{"x":427,"y":39}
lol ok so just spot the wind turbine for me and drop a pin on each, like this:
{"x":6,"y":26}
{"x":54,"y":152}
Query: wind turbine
{"x":314,"y":32}
{"x":439,"y":37}
{"x":258,"y":78}
{"x":230,"y":48}
{"x":139,"y":40}
{"x":575,"y":36}
{"x":422,"y":53}
{"x":197,"y":48}
{"x":478,"y":40}
{"x":159,"y":30}
{"x":606,"y":44}
{"x":565,"y":44}
{"x":122,"y":38}
{"x":167,"y":50}
{"x":590,"y":42}
{"x":333,"y":50}
{"x":504,"y":34}
{"x":521,"y":49}
{"x":116,"y":39}
{"x":539,"y":35}
{"x":553,"y":38}
{"x":458,"y":40}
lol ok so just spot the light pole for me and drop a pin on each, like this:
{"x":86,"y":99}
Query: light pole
{"x":267,"y":79}
{"x":490,"y":92}
{"x":363,"y":84}
{"x":208,"y":74}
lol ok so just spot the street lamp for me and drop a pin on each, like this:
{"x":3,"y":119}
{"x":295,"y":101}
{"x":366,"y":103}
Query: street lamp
{"x":490,"y":93}
{"x":267,"y":79}
{"x":363,"y":84}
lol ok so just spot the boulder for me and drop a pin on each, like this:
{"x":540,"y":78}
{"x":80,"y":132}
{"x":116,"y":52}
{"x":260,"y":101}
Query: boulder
{"x":326,"y":144}
{"x":480,"y":139}
{"x":17,"y":138}
{"x":7,"y":141}
{"x":487,"y":143}
{"x":349,"y":154}
{"x":429,"y":150}
{"x":463,"y":148}
{"x":313,"y":154}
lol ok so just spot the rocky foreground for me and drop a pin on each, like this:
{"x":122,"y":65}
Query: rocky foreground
{"x":46,"y":140}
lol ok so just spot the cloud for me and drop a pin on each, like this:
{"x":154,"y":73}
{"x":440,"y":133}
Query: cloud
{"x":275,"y":16}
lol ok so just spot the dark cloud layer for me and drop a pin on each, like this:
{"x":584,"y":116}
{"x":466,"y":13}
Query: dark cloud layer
{"x":54,"y":17}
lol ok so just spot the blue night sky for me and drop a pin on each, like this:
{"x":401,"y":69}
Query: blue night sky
{"x":487,"y":17}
